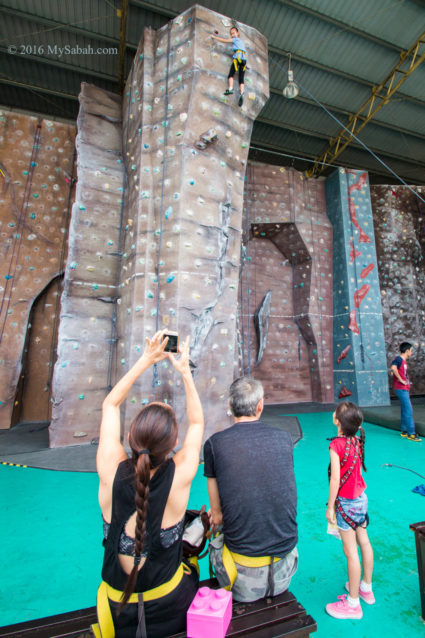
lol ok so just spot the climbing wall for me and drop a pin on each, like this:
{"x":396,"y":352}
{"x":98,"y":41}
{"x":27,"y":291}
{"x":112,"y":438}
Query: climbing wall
{"x":399,"y":219}
{"x":285,"y":292}
{"x":36,"y":191}
{"x":155,"y":239}
{"x":360,"y":366}
{"x":85,"y":364}
{"x":186,"y":149}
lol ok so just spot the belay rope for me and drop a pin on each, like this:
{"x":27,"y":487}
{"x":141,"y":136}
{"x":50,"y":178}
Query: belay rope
{"x":344,"y":479}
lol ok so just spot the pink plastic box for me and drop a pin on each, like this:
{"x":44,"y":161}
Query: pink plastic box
{"x":209,"y":614}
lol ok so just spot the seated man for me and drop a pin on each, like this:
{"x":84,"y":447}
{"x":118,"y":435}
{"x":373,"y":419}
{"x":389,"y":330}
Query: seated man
{"x":251,"y":486}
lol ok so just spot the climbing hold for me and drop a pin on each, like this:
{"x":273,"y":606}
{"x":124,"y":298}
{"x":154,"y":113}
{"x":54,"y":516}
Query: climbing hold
{"x":345,"y":392}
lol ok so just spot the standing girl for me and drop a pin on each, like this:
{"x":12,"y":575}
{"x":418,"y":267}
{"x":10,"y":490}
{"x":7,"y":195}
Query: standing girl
{"x":348,"y":502}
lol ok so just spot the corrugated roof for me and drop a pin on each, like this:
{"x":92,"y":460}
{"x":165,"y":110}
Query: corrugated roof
{"x":339,"y":51}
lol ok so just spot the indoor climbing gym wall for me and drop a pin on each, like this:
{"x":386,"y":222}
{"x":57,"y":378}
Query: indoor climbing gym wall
{"x":186,"y":147}
{"x":36,"y":185}
{"x":399,"y":219}
{"x":360,"y":365}
{"x":83,"y":369}
{"x":285,"y":291}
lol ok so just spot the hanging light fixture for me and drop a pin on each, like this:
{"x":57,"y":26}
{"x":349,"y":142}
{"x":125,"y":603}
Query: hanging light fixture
{"x":291,"y":89}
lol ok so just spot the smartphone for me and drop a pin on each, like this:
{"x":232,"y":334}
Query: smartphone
{"x":173,"y":341}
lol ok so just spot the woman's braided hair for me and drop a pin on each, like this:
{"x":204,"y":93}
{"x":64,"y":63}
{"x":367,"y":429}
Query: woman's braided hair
{"x":153,"y":435}
{"x":351,"y":418}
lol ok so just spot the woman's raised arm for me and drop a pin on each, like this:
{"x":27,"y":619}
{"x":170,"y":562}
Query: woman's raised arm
{"x":187,"y":458}
{"x":111,"y":451}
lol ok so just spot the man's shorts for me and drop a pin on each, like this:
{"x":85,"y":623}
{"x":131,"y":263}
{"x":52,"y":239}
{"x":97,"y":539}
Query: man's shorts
{"x":354,"y":508}
{"x":252,"y":582}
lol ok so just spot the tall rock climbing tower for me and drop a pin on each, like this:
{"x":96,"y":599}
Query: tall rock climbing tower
{"x":175,"y":247}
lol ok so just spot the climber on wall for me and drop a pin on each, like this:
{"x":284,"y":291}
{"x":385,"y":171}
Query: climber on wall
{"x":238,"y":62}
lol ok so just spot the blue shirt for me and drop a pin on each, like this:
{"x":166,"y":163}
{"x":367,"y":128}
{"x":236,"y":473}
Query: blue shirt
{"x":238,"y":45}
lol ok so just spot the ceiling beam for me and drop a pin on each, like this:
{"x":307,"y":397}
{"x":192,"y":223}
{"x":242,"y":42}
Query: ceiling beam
{"x":323,"y":137}
{"x":38,"y":89}
{"x":334,"y":71}
{"x":261,"y":146}
{"x":52,"y":25}
{"x":342,"y":26}
{"x":150,"y":6}
{"x":339,"y":111}
{"x":379,"y":97}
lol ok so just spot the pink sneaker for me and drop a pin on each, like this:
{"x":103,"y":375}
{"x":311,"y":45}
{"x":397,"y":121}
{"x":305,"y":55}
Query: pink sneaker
{"x":341,"y":609}
{"x":367,"y":596}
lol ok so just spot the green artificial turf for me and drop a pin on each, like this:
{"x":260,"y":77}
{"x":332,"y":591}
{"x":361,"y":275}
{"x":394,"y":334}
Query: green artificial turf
{"x":51,"y":535}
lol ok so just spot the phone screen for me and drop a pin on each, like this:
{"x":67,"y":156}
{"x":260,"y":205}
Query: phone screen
{"x":172,"y":342}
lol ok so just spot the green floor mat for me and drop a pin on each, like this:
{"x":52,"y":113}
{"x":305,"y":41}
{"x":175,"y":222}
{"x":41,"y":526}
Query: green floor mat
{"x":51,"y":536}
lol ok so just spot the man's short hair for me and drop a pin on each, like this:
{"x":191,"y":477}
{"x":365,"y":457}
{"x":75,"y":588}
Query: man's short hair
{"x":405,"y":346}
{"x":244,"y":395}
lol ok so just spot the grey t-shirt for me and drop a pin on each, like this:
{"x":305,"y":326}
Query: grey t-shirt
{"x":253,"y":465}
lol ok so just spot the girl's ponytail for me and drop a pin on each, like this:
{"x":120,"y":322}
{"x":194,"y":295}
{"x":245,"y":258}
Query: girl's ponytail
{"x":362,"y":441}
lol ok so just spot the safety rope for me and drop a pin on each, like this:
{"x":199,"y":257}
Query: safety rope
{"x":59,"y":283}
{"x":17,"y":239}
{"x":247,"y":262}
{"x":155,"y":376}
{"x":114,"y":329}
{"x":318,"y":269}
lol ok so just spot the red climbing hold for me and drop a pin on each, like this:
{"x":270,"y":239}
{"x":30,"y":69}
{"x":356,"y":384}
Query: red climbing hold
{"x":357,"y":186}
{"x":364,"y":239}
{"x":360,"y":294}
{"x":352,"y":325}
{"x":353,"y":251}
{"x":345,"y":392}
{"x":343,"y":354}
{"x":364,"y":273}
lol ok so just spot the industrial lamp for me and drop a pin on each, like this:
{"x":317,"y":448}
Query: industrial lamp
{"x":291,"y":89}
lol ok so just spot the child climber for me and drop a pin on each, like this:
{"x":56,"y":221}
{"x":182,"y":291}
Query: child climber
{"x":348,"y":503}
{"x":238,"y":62}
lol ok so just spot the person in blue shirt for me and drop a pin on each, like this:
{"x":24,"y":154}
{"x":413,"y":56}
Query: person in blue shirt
{"x":238,"y":62}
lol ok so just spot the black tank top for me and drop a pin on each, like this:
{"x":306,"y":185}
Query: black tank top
{"x":161,"y":563}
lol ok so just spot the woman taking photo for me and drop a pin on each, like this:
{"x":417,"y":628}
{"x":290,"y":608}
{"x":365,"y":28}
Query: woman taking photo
{"x":146,"y":589}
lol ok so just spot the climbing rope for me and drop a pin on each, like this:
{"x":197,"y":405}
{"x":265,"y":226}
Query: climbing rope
{"x":17,"y":239}
{"x":59,"y":278}
{"x":114,"y":330}
{"x":402,"y":468}
{"x":247,"y":262}
{"x":155,"y":376}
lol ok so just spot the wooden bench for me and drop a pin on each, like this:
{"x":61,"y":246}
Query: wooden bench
{"x":266,"y":618}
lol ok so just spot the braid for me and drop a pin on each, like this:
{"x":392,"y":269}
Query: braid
{"x":142,"y":478}
{"x":362,"y":442}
